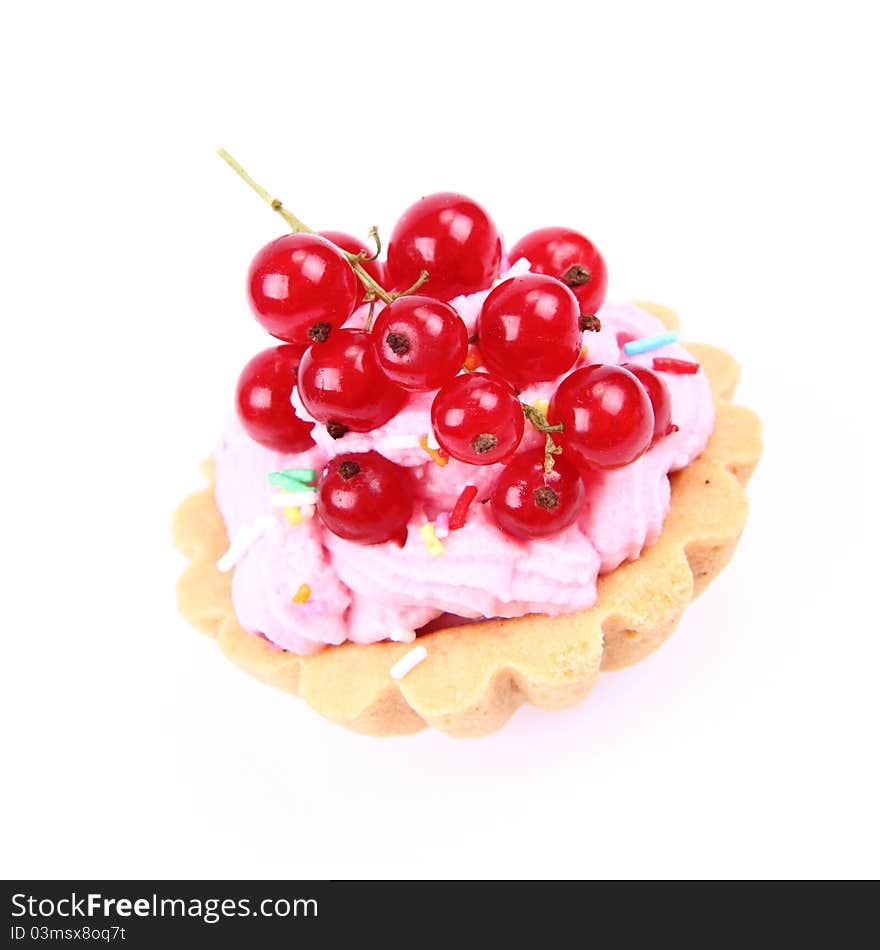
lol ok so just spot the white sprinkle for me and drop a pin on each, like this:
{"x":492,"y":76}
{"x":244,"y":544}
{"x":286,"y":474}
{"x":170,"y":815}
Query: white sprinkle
{"x":441,"y":525}
{"x":294,"y":499}
{"x":402,"y":635}
{"x":432,"y":439}
{"x":392,"y":443}
{"x":307,"y":513}
{"x":408,"y":662}
{"x":246,"y":535}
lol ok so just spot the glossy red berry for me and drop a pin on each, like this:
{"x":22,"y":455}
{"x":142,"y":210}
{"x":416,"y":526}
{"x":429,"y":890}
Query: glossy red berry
{"x":661,"y":398}
{"x":300,"y":286}
{"x":420,"y":343}
{"x":348,"y":242}
{"x":606,"y":416}
{"x":477,"y":419}
{"x":529,"y":504}
{"x":528,"y":329}
{"x":452,"y":238}
{"x":342,"y":386}
{"x":568,"y":255}
{"x":365,"y":498}
{"x":262,"y":398}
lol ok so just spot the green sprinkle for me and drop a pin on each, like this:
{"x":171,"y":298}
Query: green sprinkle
{"x":293,"y":479}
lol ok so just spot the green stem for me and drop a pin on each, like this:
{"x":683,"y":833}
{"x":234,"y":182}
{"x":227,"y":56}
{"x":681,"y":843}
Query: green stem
{"x":539,"y":421}
{"x":296,"y":225}
{"x":423,"y":278}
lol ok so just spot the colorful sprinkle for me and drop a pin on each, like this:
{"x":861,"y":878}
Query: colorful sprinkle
{"x":441,"y":525}
{"x":302,"y":595}
{"x":294,"y":515}
{"x":408,"y":662}
{"x":432,"y":542}
{"x":664,"y":364}
{"x":402,"y":635}
{"x":473,"y":361}
{"x":648,"y":343}
{"x":395,"y":443}
{"x":245,"y":536}
{"x":438,"y":455}
{"x":460,"y":512}
{"x":293,"y":479}
{"x":293,"y":499}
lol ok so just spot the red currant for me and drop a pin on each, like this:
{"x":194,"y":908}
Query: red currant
{"x":363,"y":497}
{"x":300,"y":286}
{"x":262,"y":398}
{"x":528,"y":503}
{"x":528,"y":329}
{"x":452,"y":238}
{"x":420,"y":343}
{"x":606,"y":416}
{"x":353,"y":245}
{"x":341,"y":385}
{"x":661,"y":398}
{"x":568,"y":255}
{"x":477,"y":418}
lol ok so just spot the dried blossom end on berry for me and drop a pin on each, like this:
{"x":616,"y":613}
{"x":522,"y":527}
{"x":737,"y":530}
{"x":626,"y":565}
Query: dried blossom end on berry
{"x":576,"y":276}
{"x":484,"y":442}
{"x":546,"y":498}
{"x":398,"y":343}
{"x":336,"y":430}
{"x":320,"y":332}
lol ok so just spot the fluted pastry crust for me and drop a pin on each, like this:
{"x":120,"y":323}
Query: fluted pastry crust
{"x":476,"y":675}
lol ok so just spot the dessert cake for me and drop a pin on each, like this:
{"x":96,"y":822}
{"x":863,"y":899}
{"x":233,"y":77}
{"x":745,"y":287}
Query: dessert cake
{"x":463,"y":480}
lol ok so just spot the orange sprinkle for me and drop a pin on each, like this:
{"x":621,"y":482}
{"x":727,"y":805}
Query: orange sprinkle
{"x":438,"y":455}
{"x":303,"y":594}
{"x":473,"y":360}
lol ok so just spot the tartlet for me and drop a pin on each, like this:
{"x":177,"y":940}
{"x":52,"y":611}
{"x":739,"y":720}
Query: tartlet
{"x":475,"y":675}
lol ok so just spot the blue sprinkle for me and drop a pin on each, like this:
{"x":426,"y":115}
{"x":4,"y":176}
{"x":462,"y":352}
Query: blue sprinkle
{"x":648,"y":343}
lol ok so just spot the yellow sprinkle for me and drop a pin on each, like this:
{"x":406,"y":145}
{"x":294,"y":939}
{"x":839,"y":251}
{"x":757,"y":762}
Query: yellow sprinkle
{"x":432,"y":542}
{"x":473,"y":361}
{"x":294,"y":515}
{"x":303,"y":594}
{"x":439,"y":457}
{"x":584,"y":352}
{"x":542,"y":405}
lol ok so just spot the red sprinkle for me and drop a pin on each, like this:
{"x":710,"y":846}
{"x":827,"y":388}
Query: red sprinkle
{"x":664,"y":364}
{"x":460,"y":511}
{"x":624,"y":338}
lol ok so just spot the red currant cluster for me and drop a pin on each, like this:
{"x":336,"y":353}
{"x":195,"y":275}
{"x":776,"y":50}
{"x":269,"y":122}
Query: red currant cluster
{"x":304,"y":286}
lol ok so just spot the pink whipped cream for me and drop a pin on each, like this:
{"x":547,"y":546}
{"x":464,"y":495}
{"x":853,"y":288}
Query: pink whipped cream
{"x":370,"y":593}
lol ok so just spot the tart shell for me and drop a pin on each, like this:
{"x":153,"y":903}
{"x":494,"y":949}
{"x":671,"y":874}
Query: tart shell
{"x":476,"y":675}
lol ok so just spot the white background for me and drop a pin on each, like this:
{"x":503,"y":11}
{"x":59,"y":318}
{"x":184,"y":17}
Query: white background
{"x":725,"y":160}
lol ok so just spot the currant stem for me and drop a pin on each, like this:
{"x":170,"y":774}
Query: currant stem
{"x":539,"y":421}
{"x":274,"y":203}
{"x":298,"y":226}
{"x":374,"y":237}
{"x":368,"y":323}
{"x":423,"y":278}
